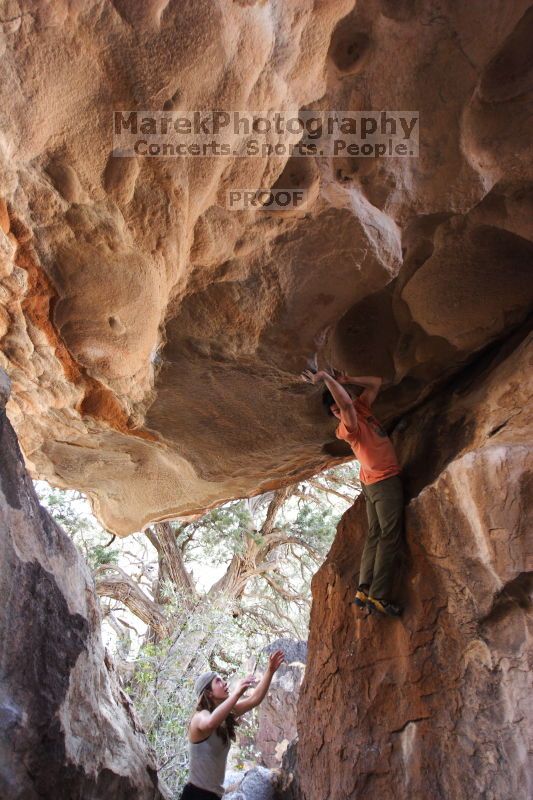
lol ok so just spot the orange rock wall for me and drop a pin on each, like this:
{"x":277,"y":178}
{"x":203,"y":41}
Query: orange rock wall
{"x":438,"y":704}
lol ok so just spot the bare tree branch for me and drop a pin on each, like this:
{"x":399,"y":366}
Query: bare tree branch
{"x":356,"y":485}
{"x":307,"y":497}
{"x":171,"y":564}
{"x":275,"y":505}
{"x":112,"y":581}
{"x":280,"y":590}
{"x":282,"y":538}
{"x":269,"y":625}
{"x":329,"y":490}
{"x":150,"y":535}
{"x":127,"y":625}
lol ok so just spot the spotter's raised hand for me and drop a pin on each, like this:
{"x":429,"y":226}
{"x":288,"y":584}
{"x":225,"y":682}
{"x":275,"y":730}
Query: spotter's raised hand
{"x":275,"y":661}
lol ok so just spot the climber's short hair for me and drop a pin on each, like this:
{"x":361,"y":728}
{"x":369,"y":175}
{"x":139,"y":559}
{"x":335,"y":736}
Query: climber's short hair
{"x":328,"y":400}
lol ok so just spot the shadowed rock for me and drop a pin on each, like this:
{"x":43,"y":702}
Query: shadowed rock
{"x":67,"y":730}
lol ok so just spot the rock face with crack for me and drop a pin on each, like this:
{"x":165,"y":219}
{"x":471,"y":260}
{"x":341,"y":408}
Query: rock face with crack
{"x":437,"y":704}
{"x":276,"y":726}
{"x":153,"y":336}
{"x":66,"y":728}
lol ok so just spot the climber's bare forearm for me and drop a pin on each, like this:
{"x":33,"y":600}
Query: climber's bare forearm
{"x":340,"y":395}
{"x":343,"y":401}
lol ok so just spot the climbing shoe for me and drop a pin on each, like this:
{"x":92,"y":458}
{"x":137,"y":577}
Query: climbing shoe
{"x":361,"y":597}
{"x":383,"y":607}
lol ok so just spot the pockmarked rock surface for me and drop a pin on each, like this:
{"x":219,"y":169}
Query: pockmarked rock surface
{"x":67,"y":730}
{"x":438,"y":704}
{"x":152,"y":335}
{"x":277,"y":713}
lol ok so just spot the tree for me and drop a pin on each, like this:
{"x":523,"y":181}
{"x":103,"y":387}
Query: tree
{"x":265,"y":549}
{"x":275,"y":542}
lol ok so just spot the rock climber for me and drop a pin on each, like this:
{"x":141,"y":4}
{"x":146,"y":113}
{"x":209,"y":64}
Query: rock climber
{"x":380,"y":482}
{"x":212,"y":727}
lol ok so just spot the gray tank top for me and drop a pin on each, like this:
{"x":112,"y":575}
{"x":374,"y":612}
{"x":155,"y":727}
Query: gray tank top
{"x":207,"y":763}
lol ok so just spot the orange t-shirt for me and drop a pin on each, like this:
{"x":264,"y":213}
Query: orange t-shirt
{"x":371,"y":446}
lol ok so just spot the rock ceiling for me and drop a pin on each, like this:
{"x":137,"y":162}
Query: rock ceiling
{"x":154,"y":336}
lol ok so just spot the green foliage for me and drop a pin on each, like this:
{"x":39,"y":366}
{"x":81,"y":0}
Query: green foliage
{"x":219,"y":533}
{"x":63,"y":505}
{"x":316,"y":525}
{"x":99,"y":554}
{"x":166,"y":724}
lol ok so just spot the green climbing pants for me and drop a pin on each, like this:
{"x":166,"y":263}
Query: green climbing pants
{"x":384,"y":510}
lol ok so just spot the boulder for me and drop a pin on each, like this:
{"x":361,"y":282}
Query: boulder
{"x":258,"y":783}
{"x":67,"y":730}
{"x":288,"y":781}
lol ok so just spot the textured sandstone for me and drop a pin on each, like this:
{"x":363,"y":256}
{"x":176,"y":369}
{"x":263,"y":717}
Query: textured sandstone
{"x":437,"y":705}
{"x":128,"y":291}
{"x":67,"y":730}
{"x":277,"y":713}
